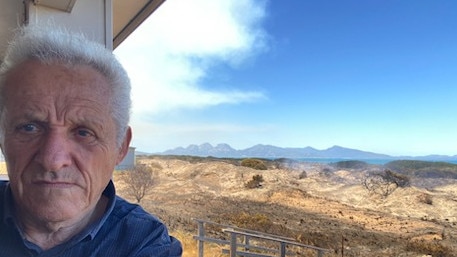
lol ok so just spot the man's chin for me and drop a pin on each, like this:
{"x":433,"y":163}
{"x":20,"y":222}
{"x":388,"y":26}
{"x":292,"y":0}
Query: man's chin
{"x":56,"y":211}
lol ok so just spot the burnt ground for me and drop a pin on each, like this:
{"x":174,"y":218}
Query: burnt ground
{"x":331,"y":210}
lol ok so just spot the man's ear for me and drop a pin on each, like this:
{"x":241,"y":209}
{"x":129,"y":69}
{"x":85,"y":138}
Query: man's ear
{"x":125,"y":145}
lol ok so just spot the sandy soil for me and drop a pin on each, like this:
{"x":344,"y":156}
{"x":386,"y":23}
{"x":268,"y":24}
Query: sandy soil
{"x":331,"y":210}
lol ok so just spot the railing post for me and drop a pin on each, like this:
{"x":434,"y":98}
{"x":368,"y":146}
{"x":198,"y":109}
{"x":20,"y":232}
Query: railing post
{"x":201,"y":234}
{"x":283,"y":249}
{"x":246,"y":242}
{"x":232,"y":244}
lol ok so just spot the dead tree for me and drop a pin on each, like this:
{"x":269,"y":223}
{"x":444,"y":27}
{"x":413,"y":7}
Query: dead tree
{"x":140,"y":180}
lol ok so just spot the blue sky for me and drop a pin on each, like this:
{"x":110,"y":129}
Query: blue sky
{"x":376,"y":75}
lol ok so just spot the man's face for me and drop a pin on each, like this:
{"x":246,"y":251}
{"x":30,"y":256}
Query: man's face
{"x":60,"y":139}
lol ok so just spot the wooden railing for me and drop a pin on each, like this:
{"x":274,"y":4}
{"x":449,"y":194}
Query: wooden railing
{"x":241,"y":242}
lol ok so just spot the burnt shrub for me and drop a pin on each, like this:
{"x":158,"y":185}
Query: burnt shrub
{"x":384,"y":183}
{"x":303,"y":175}
{"x":255,"y":182}
{"x":396,"y":178}
{"x":425,"y":198}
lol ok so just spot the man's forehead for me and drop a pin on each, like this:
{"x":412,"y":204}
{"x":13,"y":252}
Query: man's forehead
{"x":57,"y":80}
{"x":33,"y":69}
{"x":30,"y":112}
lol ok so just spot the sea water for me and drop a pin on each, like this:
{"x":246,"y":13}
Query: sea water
{"x":369,"y":161}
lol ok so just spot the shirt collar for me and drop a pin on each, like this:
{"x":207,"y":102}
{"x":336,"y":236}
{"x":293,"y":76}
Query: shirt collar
{"x":8,"y":206}
{"x":110,"y":193}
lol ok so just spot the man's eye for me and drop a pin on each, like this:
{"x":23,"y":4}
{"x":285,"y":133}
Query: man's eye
{"x":84,"y":133}
{"x":28,"y":128}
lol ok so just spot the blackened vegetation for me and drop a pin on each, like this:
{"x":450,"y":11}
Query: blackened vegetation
{"x":424,"y":169}
{"x":408,"y":168}
{"x":384,"y":183}
{"x":263,"y":163}
{"x":385,"y":179}
{"x":350,"y":164}
{"x":411,"y":168}
{"x":327,"y":230}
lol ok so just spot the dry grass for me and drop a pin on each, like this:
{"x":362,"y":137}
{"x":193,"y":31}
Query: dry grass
{"x":3,"y":168}
{"x":319,"y":209}
{"x":190,"y":245}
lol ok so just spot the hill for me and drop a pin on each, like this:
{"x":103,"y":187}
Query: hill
{"x":269,"y":151}
{"x":323,"y":205}
{"x":272,"y":152}
{"x":424,"y":169}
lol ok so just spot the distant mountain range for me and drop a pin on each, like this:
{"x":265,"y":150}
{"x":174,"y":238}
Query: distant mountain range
{"x":269,"y":151}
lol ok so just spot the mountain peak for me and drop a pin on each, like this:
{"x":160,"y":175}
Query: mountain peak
{"x":270,"y":151}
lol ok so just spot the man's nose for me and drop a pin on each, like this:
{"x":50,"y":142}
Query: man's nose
{"x":54,"y":153}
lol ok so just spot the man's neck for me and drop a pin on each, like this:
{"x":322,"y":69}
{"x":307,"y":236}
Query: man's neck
{"x":47,"y":234}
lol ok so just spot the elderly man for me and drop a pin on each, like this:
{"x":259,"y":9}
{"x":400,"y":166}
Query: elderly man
{"x":64,"y":112}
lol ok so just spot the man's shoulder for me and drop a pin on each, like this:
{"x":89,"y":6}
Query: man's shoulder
{"x":133,"y":215}
{"x":138,"y":231}
{"x":3,"y":186}
{"x":3,"y":202}
{"x":131,"y":224}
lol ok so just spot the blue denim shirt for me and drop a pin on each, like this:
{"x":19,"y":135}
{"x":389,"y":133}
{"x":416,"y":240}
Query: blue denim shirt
{"x":124,"y":230}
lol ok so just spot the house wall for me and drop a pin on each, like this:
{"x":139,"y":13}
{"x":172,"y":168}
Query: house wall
{"x":128,"y":162}
{"x":90,"y":17}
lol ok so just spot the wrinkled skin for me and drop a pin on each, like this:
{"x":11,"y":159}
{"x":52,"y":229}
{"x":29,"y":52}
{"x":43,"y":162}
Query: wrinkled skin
{"x":60,"y":146}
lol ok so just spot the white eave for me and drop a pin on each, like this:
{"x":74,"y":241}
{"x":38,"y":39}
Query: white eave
{"x":128,"y":15}
{"x":125,"y":16}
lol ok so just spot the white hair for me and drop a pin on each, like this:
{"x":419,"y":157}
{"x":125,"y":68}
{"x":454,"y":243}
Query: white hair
{"x":52,"y":44}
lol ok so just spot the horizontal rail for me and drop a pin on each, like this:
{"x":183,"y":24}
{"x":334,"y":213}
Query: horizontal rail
{"x":227,"y":242}
{"x":246,"y":254}
{"x":250,"y":250}
{"x":212,"y":240}
{"x":230,"y":230}
{"x":242,"y":229}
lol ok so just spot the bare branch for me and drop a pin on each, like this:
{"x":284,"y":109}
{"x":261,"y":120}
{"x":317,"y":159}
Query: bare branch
{"x":140,"y":180}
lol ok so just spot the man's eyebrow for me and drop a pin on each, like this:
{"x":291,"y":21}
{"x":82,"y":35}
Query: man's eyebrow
{"x":31,"y":116}
{"x":42,"y":117}
{"x":90,"y":122}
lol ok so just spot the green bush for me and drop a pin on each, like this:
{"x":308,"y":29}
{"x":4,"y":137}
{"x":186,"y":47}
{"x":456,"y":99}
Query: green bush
{"x":254,"y":164}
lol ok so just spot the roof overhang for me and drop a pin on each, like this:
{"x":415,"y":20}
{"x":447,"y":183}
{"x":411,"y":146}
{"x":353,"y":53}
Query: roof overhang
{"x":128,"y":15}
{"x":124,"y":15}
